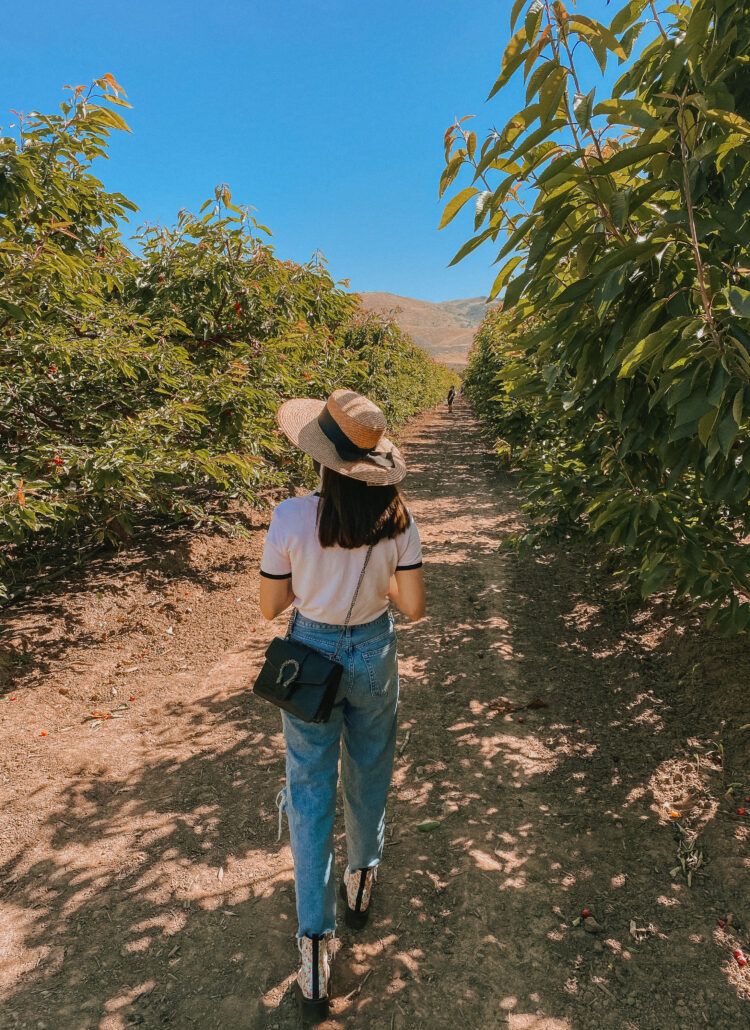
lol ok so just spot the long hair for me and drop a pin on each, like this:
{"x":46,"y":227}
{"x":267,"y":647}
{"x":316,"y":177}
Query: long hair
{"x":353,"y":514}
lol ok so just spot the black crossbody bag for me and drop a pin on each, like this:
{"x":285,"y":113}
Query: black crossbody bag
{"x":300,"y":679}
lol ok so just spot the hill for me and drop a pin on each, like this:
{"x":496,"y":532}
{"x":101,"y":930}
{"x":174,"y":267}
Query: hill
{"x":445,"y":330}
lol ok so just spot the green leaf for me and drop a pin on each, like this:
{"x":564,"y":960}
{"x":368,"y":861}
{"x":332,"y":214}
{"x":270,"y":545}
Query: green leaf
{"x":106,"y":116}
{"x":575,"y":291}
{"x":619,"y":206}
{"x":518,"y":6}
{"x":726,"y":433}
{"x":483,"y":205}
{"x":731,"y":120}
{"x":470,"y":245}
{"x":653,"y":344}
{"x":538,"y":76}
{"x":521,"y":228}
{"x":629,"y":112}
{"x":738,"y":405}
{"x":629,"y":39}
{"x":533,"y":18}
{"x":515,"y":289}
{"x":560,"y":164}
{"x":504,"y":275}
{"x":512,"y":58}
{"x":451,"y":170}
{"x":626,"y":158}
{"x":596,"y":45}
{"x":706,"y":424}
{"x":455,"y":205}
{"x":740,"y":300}
{"x":551,"y":93}
{"x":536,"y":137}
{"x":581,"y":23}
{"x":627,"y":15}
{"x":692,"y":410}
{"x":583,"y":106}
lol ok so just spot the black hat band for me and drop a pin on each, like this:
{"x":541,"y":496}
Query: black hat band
{"x":346,"y":449}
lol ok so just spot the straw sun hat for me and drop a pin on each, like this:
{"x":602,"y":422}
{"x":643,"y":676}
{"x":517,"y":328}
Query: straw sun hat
{"x":344,"y":433}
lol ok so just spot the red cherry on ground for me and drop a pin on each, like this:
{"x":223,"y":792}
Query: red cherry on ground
{"x":722,"y":923}
{"x":44,"y":733}
{"x":132,"y":699}
{"x":740,"y":811}
{"x":741,"y":962}
{"x":520,"y":720}
{"x":737,"y":953}
{"x":585,"y":913}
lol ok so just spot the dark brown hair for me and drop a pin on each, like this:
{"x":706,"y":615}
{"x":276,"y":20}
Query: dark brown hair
{"x":352,"y":513}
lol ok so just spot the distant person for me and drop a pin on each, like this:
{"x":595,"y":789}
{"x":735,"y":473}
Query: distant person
{"x":451,"y":398}
{"x":339,"y":556}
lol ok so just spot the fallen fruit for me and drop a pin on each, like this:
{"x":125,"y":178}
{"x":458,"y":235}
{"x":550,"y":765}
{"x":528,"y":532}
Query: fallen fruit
{"x":427,"y":825}
{"x":521,"y":719}
{"x":740,"y":811}
{"x":132,"y":698}
{"x":722,"y":923}
{"x":585,"y":913}
{"x":742,"y":961}
{"x":44,"y":733}
{"x":737,"y":953}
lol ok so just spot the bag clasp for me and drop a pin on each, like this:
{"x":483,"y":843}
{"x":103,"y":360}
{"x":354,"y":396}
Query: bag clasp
{"x":283,"y":680}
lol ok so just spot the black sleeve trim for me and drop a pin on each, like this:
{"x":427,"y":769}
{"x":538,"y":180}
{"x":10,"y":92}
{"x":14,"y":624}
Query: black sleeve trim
{"x":270,"y":575}
{"x":406,"y":568}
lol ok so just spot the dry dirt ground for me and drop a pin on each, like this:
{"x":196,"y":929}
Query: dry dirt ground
{"x":571,"y":758}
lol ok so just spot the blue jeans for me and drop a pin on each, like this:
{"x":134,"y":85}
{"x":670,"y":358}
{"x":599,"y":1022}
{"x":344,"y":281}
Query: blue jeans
{"x":364,"y":720}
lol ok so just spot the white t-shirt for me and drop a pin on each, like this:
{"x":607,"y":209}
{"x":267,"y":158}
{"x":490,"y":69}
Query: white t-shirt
{"x":324,"y":578}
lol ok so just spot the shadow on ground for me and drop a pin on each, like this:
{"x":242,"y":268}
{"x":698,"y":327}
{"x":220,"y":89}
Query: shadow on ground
{"x":554,"y":744}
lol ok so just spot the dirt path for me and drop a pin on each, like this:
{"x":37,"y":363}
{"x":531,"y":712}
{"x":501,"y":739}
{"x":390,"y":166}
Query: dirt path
{"x":140,"y":878}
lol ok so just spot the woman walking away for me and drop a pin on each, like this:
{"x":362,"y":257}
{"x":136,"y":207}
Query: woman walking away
{"x":338,"y":556}
{"x":451,"y":398}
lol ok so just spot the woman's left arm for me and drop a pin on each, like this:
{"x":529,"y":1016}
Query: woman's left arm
{"x":275,"y":596}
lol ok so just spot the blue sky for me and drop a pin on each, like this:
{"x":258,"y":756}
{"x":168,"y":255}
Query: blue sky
{"x":326,"y":115}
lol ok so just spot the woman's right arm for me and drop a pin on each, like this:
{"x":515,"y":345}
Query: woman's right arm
{"x":275,"y":596}
{"x":276,"y":593}
{"x":407,"y":592}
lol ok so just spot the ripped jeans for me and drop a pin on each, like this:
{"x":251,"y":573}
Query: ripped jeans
{"x":364,"y":721}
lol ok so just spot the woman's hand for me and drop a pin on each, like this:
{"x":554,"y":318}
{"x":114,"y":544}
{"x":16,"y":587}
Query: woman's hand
{"x":275,"y":596}
{"x":407,"y":592}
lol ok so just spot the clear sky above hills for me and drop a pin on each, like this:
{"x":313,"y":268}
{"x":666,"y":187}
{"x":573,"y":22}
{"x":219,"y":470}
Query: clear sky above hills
{"x":326,"y":115}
